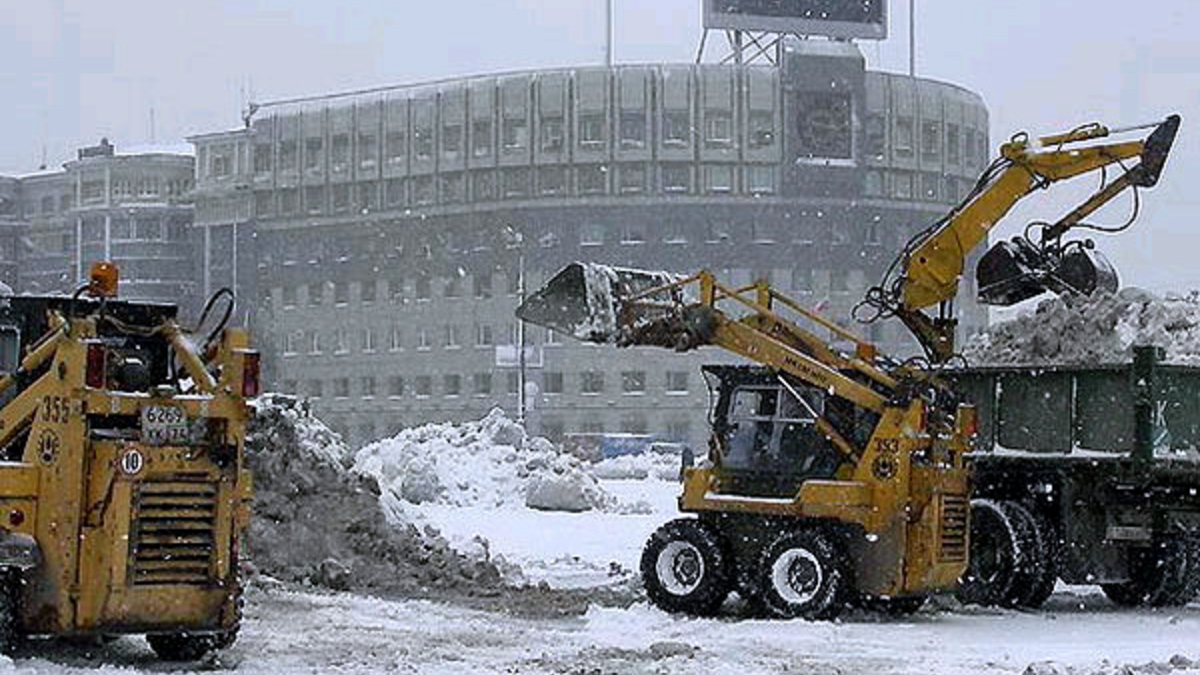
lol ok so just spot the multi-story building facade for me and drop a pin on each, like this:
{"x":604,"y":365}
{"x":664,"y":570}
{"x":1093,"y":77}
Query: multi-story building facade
{"x":130,"y":208}
{"x":381,"y":233}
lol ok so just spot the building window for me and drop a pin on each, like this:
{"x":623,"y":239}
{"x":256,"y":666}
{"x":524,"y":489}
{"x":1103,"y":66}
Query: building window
{"x":591,"y":131}
{"x":289,"y":297}
{"x":316,"y":293}
{"x":633,"y":381}
{"x":368,"y":197}
{"x":481,"y":138}
{"x":314,"y":342}
{"x":341,"y":344}
{"x":718,"y":128}
{"x":873,"y":183}
{"x":314,"y":199}
{"x":395,"y":386}
{"x":760,"y":180}
{"x":929,"y":186}
{"x":368,"y":340}
{"x":341,"y":198}
{"x":591,"y":234}
{"x":953,"y":139}
{"x":552,"y":382}
{"x":876,"y":133}
{"x":452,"y":384}
{"x":677,"y":129}
{"x":516,"y":182}
{"x":291,"y":343}
{"x":516,"y":134}
{"x":452,"y":139}
{"x":423,"y":190}
{"x":452,"y":337}
{"x":422,"y":288}
{"x":931,"y":141}
{"x":718,"y":178}
{"x":552,"y":134}
{"x":454,"y":188}
{"x":423,"y":386}
{"x":262,"y":204}
{"x":904,"y":137}
{"x":591,"y":382}
{"x":452,"y":289}
{"x":288,"y":156}
{"x":394,"y":192}
{"x":632,"y":233}
{"x":762,"y":231}
{"x":395,"y":338}
{"x":632,"y":178}
{"x":677,"y":178}
{"x":339,"y":151}
{"x":314,"y":156}
{"x":394,"y":147}
{"x":762,"y":129}
{"x":483,"y":185}
{"x":368,"y":386}
{"x":316,"y":388}
{"x":902,"y":185}
{"x":593,"y":179}
{"x":482,"y":384}
{"x":368,"y":150}
{"x":824,"y":126}
{"x":677,"y":382}
{"x":366,"y":292}
{"x":633,"y":129}
{"x":483,"y":335}
{"x":423,"y":142}
{"x":341,"y":293}
{"x":552,"y":180}
{"x":512,"y":382}
{"x":262,"y":158}
{"x":423,"y":343}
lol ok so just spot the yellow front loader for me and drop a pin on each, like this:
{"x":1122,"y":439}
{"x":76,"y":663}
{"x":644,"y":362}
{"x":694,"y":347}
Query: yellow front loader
{"x":123,"y":490}
{"x":832,"y":478}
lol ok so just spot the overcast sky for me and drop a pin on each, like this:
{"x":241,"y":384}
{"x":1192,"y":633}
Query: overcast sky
{"x":74,"y":70}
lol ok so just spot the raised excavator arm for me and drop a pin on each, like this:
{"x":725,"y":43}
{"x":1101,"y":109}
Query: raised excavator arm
{"x":928,"y":271}
{"x":626,"y":307}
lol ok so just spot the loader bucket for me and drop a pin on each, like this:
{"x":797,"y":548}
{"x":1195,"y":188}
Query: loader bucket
{"x":587,"y":301}
{"x":1013,"y":271}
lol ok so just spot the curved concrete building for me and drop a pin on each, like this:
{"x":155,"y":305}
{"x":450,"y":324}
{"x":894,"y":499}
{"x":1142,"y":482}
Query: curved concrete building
{"x":381,"y":233}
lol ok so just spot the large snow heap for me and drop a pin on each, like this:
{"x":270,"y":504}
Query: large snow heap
{"x":489,"y":463}
{"x":314,"y":520}
{"x":1101,"y":328}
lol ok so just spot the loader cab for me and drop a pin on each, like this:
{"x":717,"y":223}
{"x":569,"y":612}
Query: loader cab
{"x":765,"y":433}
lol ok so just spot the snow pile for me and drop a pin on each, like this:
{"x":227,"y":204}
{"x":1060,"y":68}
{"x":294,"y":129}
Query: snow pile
{"x":489,"y":463}
{"x":638,"y":467}
{"x":314,"y":520}
{"x":1101,"y":328}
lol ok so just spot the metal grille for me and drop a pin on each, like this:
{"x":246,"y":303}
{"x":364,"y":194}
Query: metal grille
{"x":173,"y":534}
{"x":954,"y":528}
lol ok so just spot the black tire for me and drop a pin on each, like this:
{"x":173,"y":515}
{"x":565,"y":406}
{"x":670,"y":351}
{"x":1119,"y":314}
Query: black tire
{"x":685,"y":568}
{"x":10,"y":636}
{"x":181,"y":646}
{"x":1034,"y":572}
{"x":991,"y":567}
{"x":1051,"y":554}
{"x":1158,"y":577}
{"x":803,"y":574}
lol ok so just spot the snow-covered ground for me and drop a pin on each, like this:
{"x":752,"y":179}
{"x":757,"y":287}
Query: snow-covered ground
{"x":294,"y":631}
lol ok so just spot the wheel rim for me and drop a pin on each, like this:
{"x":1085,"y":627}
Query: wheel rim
{"x":680,"y":568}
{"x":796,"y":576}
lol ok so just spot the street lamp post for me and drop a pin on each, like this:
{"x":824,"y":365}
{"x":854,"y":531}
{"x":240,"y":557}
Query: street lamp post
{"x":515,"y":239}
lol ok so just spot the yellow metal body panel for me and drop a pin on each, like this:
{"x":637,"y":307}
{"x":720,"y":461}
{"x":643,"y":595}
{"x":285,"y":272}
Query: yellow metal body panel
{"x":133,"y":537}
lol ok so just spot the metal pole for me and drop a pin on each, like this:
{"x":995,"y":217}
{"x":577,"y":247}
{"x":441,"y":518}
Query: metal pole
{"x":608,"y":33}
{"x":521,"y":333}
{"x":912,"y":38}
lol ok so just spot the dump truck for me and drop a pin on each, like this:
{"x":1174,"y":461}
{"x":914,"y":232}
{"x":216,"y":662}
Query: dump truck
{"x":831,"y":477}
{"x":123,"y":490}
{"x":1088,"y":474}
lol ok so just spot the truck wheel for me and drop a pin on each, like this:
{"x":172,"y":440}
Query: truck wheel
{"x":1033,"y":566}
{"x":1158,"y":577}
{"x":685,"y":569}
{"x":181,"y":646}
{"x":991,"y":566}
{"x":804,"y":575}
{"x":1043,"y":585}
{"x":10,"y":636}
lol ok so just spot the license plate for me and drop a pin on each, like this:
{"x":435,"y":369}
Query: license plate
{"x":164,"y":425}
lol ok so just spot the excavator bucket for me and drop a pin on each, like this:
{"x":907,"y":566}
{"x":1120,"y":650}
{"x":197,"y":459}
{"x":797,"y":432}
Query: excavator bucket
{"x":1013,"y":271}
{"x":599,"y":303}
